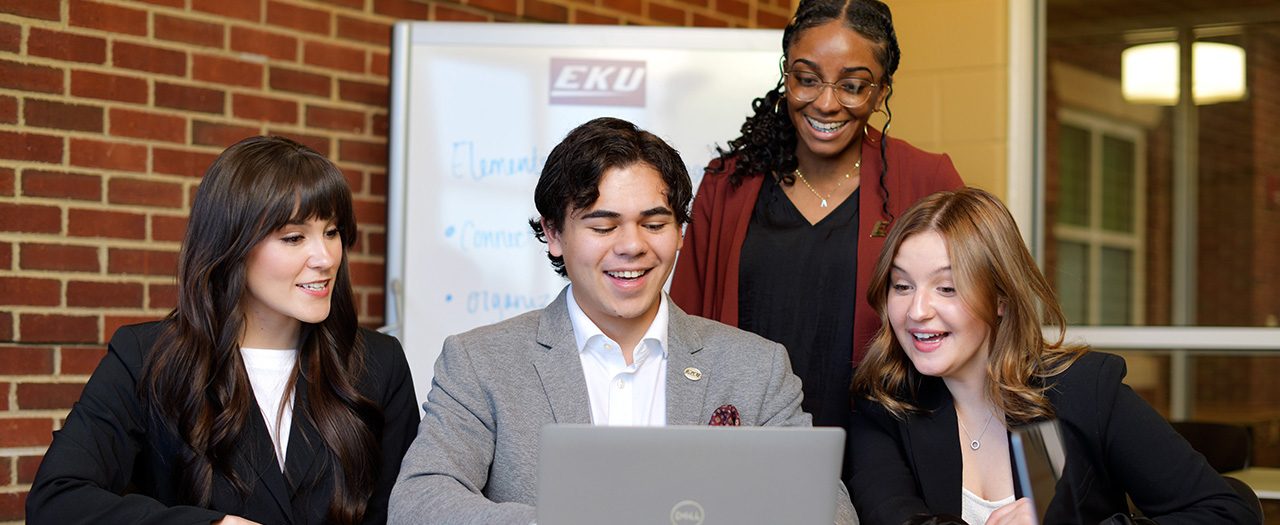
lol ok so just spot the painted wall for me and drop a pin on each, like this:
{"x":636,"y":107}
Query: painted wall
{"x":951,"y":91}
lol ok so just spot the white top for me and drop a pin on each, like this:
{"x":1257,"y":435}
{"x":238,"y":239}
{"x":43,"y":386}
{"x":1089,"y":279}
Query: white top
{"x":975,"y":510}
{"x":622,"y":395}
{"x":268,"y":374}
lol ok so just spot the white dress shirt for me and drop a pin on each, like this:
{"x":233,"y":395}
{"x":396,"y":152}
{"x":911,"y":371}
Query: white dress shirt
{"x":623,"y":395}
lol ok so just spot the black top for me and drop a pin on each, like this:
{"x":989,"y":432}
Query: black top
{"x":796,"y":285}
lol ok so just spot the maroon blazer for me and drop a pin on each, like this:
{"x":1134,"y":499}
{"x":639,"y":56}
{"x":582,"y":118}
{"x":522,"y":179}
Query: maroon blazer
{"x":706,"y":274}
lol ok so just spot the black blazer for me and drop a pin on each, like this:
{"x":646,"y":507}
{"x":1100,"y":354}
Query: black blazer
{"x":112,"y":463}
{"x":1115,"y":444}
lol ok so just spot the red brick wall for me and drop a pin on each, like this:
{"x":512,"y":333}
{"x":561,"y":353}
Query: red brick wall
{"x":109,"y":112}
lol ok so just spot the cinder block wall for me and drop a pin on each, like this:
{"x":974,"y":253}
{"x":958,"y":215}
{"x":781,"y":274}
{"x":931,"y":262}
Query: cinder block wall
{"x":951,"y":93}
{"x":111,"y":109}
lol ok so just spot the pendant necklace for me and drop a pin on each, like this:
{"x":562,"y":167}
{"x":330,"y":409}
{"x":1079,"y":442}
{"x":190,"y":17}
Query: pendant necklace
{"x":975,"y":443}
{"x":857,"y":166}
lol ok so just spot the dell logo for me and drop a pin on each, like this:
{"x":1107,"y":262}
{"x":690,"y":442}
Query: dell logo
{"x":591,"y":82}
{"x":687,"y":512}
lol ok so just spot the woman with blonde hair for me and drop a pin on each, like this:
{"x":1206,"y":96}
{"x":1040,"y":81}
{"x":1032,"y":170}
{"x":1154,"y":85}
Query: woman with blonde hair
{"x":258,"y":398}
{"x":960,"y":357}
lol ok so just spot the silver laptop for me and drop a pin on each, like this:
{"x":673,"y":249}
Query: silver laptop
{"x":688,"y":475}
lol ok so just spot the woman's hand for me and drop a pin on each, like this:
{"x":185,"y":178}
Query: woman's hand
{"x":1017,"y":513}
{"x":235,"y":520}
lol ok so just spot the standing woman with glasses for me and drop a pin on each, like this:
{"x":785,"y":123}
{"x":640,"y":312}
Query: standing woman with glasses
{"x":788,"y":222}
{"x":257,"y":399}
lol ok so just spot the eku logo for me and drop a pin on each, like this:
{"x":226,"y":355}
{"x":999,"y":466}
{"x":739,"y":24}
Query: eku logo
{"x":590,"y":82}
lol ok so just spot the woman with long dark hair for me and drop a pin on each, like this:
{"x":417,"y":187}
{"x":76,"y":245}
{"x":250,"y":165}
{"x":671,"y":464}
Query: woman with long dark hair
{"x":788,"y":221}
{"x":258,"y":398}
{"x":961,"y":357}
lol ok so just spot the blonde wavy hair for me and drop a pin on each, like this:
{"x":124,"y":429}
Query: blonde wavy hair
{"x":992,"y":269}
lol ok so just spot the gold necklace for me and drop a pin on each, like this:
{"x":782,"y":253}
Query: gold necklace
{"x":857,"y":166}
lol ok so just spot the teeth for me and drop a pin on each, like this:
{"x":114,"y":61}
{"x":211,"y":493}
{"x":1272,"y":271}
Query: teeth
{"x":927,"y":337}
{"x":825,"y":128}
{"x":629,"y":274}
{"x":315,"y":287}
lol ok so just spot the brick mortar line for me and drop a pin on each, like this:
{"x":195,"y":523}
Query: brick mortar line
{"x":102,"y":252}
{"x":16,"y":452}
{"x":35,"y":414}
{"x":41,"y":23}
{"x":83,"y":311}
{"x":119,"y":242}
{"x":65,"y":203}
{"x":115,"y":310}
{"x":109,"y":66}
{"x":39,"y":379}
{"x":89,"y":135}
{"x":262,"y":124}
{"x":363,"y":15}
{"x":95,"y":281}
{"x":93,"y":242}
{"x":64,"y":279}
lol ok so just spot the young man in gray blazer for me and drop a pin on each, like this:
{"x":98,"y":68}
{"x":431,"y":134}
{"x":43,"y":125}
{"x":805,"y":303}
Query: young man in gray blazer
{"x":610,"y":350}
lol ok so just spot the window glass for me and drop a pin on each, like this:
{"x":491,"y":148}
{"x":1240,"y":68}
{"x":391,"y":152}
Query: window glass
{"x":1073,"y":204}
{"x":1116,"y":305}
{"x":1073,"y":274}
{"x":1118,"y":166}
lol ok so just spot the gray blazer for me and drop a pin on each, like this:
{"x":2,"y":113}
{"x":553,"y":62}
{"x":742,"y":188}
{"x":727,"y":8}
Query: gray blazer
{"x":475,"y":458}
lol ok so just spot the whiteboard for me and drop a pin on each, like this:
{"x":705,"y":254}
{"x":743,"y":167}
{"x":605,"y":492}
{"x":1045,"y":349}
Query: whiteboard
{"x":476,"y":108}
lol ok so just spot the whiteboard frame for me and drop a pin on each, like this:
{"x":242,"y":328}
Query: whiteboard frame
{"x":407,"y":39}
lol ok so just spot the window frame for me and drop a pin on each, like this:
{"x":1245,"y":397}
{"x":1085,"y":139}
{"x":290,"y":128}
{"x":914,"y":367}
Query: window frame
{"x":1096,"y":237}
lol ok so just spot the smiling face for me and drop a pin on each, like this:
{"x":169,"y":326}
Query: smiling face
{"x":825,"y":129}
{"x":937,"y":330}
{"x":289,"y":280}
{"x":619,"y":250}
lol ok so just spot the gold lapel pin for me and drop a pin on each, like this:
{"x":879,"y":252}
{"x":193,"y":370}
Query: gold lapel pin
{"x":881,"y":229}
{"x":693,"y":373}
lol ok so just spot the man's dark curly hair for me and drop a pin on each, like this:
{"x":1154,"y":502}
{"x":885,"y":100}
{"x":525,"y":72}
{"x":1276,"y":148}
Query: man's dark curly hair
{"x":768,"y":141}
{"x":570,"y":179}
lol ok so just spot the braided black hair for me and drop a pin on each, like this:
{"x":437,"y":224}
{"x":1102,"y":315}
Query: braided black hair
{"x":768,"y":140}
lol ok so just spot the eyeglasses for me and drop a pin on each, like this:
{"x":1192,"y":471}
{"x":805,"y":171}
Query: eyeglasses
{"x":807,"y":87}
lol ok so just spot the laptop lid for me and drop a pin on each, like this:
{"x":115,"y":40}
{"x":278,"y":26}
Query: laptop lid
{"x":688,"y":475}
{"x":1039,"y":457}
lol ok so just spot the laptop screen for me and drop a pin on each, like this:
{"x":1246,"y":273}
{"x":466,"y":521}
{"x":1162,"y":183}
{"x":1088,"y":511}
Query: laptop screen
{"x":1039,"y":456}
{"x":688,"y":475}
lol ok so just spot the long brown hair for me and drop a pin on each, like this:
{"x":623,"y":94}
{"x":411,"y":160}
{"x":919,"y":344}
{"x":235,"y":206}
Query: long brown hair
{"x":194,"y":380}
{"x":992,"y":270}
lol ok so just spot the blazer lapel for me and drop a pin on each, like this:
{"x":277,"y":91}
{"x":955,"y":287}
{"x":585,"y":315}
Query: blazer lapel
{"x":259,"y":458}
{"x":558,"y":365}
{"x":686,"y":392}
{"x":305,"y":445}
{"x":934,"y":442}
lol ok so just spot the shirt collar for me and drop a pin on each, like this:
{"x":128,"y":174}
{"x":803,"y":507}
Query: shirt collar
{"x":585,"y":330}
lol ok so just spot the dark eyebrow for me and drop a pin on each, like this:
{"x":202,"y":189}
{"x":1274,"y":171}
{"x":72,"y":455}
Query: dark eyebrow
{"x":844,"y":71}
{"x":600,"y":214}
{"x":607,"y":214}
{"x":657,"y":210}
